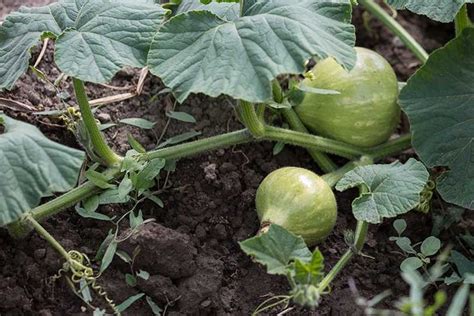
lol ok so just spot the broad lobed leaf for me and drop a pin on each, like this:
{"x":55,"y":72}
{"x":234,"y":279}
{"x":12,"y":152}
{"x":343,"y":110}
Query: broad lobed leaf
{"x":276,"y":248}
{"x":226,"y":11}
{"x":392,"y":189}
{"x":199,"y":52}
{"x":439,"y":10}
{"x":21,"y":31}
{"x":439,"y":102}
{"x":32,"y":167}
{"x":94,"y":38}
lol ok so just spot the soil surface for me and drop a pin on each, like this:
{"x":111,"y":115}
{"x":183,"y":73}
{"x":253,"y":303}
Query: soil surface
{"x":191,"y":249}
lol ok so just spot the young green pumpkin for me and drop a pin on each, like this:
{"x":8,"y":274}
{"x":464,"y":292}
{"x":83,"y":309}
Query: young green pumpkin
{"x":299,"y":201}
{"x":365,"y":113}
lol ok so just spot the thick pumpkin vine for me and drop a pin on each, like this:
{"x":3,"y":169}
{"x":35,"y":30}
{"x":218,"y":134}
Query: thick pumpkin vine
{"x":237,"y":49}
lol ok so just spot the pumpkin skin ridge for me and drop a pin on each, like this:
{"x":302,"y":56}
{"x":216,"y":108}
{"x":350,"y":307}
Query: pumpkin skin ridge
{"x":305,"y":205}
{"x":365,"y":113}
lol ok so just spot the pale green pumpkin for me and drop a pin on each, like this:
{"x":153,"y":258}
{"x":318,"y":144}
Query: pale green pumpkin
{"x":298,"y":200}
{"x":365,"y":113}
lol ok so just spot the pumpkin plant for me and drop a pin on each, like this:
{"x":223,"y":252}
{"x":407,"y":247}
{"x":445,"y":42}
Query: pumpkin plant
{"x":239,"y":49}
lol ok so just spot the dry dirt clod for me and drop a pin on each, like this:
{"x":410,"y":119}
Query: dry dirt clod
{"x":163,"y":251}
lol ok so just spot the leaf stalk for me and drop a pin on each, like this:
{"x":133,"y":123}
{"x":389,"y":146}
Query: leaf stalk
{"x":323,"y":161}
{"x":355,"y":249}
{"x":462,"y":20}
{"x":396,"y":28}
{"x":391,"y":147}
{"x":98,"y":141}
{"x":261,"y":131}
{"x":47,"y":236}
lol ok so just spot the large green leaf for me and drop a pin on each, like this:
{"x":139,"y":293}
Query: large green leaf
{"x":199,"y":52}
{"x":95,"y":38}
{"x":107,"y":37}
{"x":249,"y":3}
{"x":439,"y":101}
{"x":439,"y":10}
{"x":276,"y":249}
{"x":224,"y":10}
{"x":21,"y":31}
{"x":32,"y":167}
{"x":391,"y":189}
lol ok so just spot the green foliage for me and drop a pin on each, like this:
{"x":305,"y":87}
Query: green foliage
{"x":391,"y":189}
{"x":227,"y":10}
{"x":276,"y":249}
{"x":154,"y":308}
{"x":179,"y":139}
{"x":32,"y":167}
{"x":129,"y":301}
{"x":416,"y":303}
{"x":440,"y":106}
{"x":464,"y":266}
{"x":94,"y":39}
{"x":444,"y":219}
{"x":181,"y":116}
{"x":138,"y":122}
{"x":439,"y":10}
{"x":284,"y":253}
{"x":131,"y":280}
{"x":305,"y":279}
{"x":210,"y":49}
{"x":108,"y":256}
{"x":215,"y":48}
{"x":415,"y":259}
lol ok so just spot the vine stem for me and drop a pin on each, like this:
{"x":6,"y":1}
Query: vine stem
{"x":323,"y":161}
{"x":261,"y":131}
{"x":355,"y":249}
{"x":98,"y":141}
{"x":396,"y":28}
{"x":313,"y":142}
{"x":391,"y":147}
{"x":21,"y":228}
{"x":333,"y":178}
{"x":202,"y":145}
{"x":47,"y":236}
{"x":250,"y":118}
{"x":462,"y":20}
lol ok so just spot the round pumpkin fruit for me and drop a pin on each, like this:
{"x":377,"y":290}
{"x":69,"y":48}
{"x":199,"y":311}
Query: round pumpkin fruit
{"x":298,"y":200}
{"x":365,"y":113}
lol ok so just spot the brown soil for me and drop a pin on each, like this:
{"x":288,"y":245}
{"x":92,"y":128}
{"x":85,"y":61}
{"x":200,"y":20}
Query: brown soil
{"x":191,"y":250}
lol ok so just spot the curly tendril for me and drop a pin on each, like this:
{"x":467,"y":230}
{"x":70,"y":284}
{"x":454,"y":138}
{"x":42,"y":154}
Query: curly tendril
{"x":78,"y":265}
{"x":425,"y":197}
